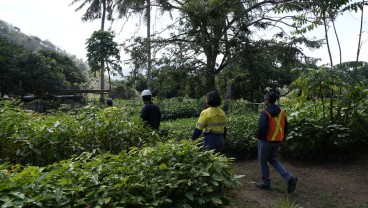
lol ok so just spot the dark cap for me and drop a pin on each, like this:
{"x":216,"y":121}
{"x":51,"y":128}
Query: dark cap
{"x":109,"y":101}
{"x":270,"y":96}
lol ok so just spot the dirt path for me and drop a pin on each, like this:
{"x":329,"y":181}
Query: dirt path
{"x":328,"y":185}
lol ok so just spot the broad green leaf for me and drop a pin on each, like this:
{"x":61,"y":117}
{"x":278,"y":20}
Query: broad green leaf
{"x":189,"y":195}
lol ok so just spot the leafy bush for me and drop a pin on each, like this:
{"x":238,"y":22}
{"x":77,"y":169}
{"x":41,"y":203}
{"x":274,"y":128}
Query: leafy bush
{"x":311,"y":140}
{"x":242,"y":107}
{"x":168,"y":175}
{"x":177,"y":108}
{"x":40,"y":140}
{"x":358,"y":125}
{"x":178,"y":129}
{"x":171,"y":109}
{"x":240,"y":141}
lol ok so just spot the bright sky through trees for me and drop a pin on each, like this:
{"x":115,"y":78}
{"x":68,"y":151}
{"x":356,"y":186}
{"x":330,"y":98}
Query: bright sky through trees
{"x":58,"y":22}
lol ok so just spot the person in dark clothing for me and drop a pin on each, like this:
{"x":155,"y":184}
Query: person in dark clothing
{"x":272,"y":127}
{"x":150,"y":113}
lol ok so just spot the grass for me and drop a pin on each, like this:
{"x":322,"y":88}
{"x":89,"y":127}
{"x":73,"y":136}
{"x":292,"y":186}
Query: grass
{"x":365,"y":205}
{"x":326,"y":199}
{"x":285,"y":203}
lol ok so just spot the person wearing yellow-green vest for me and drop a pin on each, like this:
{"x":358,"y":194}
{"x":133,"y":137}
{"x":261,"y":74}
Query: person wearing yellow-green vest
{"x":110,"y":110}
{"x":212,"y":122}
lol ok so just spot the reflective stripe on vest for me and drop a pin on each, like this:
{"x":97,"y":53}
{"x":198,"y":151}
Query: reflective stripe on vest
{"x":276,"y":127}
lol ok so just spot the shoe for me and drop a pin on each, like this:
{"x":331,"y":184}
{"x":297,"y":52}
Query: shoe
{"x":292,"y":184}
{"x":262,"y":186}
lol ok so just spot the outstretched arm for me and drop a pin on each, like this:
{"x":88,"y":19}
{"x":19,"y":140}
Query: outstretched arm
{"x":196,"y":134}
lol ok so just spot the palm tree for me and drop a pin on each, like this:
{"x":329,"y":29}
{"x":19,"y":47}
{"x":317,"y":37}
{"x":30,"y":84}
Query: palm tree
{"x":102,"y":49}
{"x":97,"y":10}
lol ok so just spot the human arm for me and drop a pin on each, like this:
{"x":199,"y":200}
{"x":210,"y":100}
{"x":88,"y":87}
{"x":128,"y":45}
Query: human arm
{"x":196,"y":134}
{"x":286,"y":127}
{"x":200,"y":125}
{"x":262,"y":126}
{"x":144,"y":113}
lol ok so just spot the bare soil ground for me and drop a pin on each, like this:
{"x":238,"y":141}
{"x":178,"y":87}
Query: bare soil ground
{"x":326,"y":185}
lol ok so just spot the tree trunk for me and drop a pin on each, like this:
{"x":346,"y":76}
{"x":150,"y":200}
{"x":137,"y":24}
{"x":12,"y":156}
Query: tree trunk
{"x":227,"y":106}
{"x":323,"y":105}
{"x":326,"y":36}
{"x":331,"y":106}
{"x":109,"y":84}
{"x":149,"y":64}
{"x":360,"y":34}
{"x":210,"y":81}
{"x":102,"y":80}
{"x":338,"y":41}
{"x":340,"y":90}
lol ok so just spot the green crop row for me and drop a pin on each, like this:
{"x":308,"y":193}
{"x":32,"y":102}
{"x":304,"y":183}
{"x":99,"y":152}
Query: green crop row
{"x":171,"y":174}
{"x":36,"y":139}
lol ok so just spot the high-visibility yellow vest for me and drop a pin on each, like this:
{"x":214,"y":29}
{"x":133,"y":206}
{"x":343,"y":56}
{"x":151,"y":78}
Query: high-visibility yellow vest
{"x":109,"y":111}
{"x":276,"y":127}
{"x":213,"y":120}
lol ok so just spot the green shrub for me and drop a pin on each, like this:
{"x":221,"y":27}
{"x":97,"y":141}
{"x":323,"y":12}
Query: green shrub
{"x":40,"y":140}
{"x":178,"y":129}
{"x":360,"y":132}
{"x":309,"y":140}
{"x":169,"y":175}
{"x":177,"y":108}
{"x":243,"y":107}
{"x":285,"y":203}
{"x":241,"y":141}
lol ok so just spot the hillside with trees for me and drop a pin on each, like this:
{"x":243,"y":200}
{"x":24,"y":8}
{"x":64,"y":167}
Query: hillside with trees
{"x":30,"y":65}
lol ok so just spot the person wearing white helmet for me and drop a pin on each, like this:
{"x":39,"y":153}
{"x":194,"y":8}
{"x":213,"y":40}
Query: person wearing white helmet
{"x":150,"y":113}
{"x":146,"y":93}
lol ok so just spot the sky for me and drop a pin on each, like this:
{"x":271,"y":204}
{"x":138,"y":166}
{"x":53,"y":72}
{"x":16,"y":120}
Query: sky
{"x":57,"y":21}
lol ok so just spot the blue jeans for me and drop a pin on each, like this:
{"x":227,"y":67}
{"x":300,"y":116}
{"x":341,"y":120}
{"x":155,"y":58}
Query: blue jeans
{"x":267,"y":152}
{"x":213,"y":142}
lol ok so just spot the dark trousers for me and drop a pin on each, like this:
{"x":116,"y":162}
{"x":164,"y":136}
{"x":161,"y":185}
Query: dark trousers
{"x":213,"y":142}
{"x":267,"y":152}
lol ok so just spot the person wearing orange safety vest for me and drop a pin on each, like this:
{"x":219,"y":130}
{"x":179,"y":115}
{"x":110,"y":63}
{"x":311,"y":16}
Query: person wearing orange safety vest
{"x":212,"y":122}
{"x":272,"y":127}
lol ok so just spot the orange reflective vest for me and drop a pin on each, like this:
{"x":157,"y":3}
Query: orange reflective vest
{"x":276,"y":126}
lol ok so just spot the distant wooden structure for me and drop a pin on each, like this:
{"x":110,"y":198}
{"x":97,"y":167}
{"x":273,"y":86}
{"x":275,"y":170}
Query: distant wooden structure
{"x":54,"y":99}
{"x":78,"y":91}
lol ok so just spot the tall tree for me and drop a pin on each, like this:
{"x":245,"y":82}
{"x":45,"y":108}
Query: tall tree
{"x":98,"y":9}
{"x":125,"y":9}
{"x":9,"y":73}
{"x":102,"y":50}
{"x":212,"y":29}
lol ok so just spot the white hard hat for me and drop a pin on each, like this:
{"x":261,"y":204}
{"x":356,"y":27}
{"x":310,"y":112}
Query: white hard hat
{"x":146,"y":93}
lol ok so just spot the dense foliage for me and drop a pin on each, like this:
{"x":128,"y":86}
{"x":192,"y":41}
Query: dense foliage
{"x":328,"y":113}
{"x":168,"y":175}
{"x":40,"y":140}
{"x":91,"y":160}
{"x":24,"y":72}
{"x":175,"y":108}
